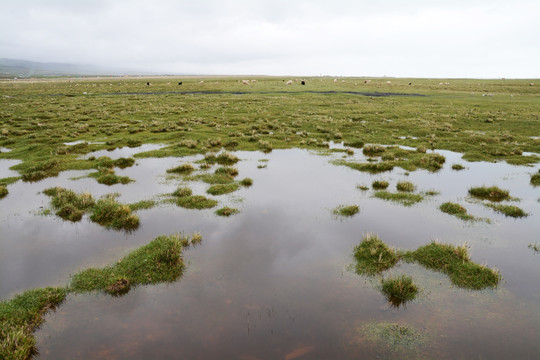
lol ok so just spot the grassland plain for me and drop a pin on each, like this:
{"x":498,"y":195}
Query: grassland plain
{"x":37,"y":117}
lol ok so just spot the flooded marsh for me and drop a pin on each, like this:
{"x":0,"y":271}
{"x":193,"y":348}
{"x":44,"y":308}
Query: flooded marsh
{"x":277,"y":275}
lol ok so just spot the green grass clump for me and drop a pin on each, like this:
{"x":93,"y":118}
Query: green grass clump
{"x":373,"y":150}
{"x":362,"y":187}
{"x":535,"y":179}
{"x":41,"y":170}
{"x":227,"y":170}
{"x":492,"y":193}
{"x":3,"y":191}
{"x":110,"y":178}
{"x":186,"y":168}
{"x":159,"y":261}
{"x":142,"y":205}
{"x":358,"y":144}
{"x":508,"y":210}
{"x":455,"y":262}
{"x":406,"y":199}
{"x":458,"y":167}
{"x":373,"y":168}
{"x":68,"y":204}
{"x":227,"y":211}
{"x":182,"y":192}
{"x":373,"y":256}
{"x":379,"y":184}
{"x":346,"y":210}
{"x":123,"y":163}
{"x":20,"y":316}
{"x":405,"y":186}
{"x":111,"y":214}
{"x":247,"y":182}
{"x":399,"y":290}
{"x":225,"y":158}
{"x":456,"y":210}
{"x":213,"y":179}
{"x":196,"y":202}
{"x":220,"y":189}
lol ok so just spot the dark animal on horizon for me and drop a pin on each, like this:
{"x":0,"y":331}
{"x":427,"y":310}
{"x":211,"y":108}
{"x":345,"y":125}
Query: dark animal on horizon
{"x":180,"y":83}
{"x":147,"y":84}
{"x":410,"y":83}
{"x":303,"y":82}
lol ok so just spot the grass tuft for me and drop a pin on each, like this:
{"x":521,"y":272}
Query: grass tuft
{"x":220,"y":189}
{"x":379,"y":184}
{"x":406,"y":199}
{"x":346,"y":210}
{"x":182,"y":192}
{"x":535,"y":179}
{"x":227,"y":211}
{"x":458,"y":167}
{"x":3,"y":191}
{"x":405,"y":186}
{"x":68,"y":204}
{"x":492,"y":193}
{"x":456,"y":210}
{"x":455,"y":262}
{"x":508,"y":210}
{"x":373,"y":256}
{"x":111,"y":214}
{"x":196,"y":202}
{"x":186,"y":168}
{"x":247,"y":182}
{"x":399,"y":290}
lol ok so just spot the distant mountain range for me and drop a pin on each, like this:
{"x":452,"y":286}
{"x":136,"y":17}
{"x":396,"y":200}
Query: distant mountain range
{"x":10,"y":68}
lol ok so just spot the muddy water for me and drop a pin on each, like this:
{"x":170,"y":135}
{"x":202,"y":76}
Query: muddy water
{"x":274,"y":282}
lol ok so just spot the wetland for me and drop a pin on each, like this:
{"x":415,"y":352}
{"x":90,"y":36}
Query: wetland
{"x":267,"y":221}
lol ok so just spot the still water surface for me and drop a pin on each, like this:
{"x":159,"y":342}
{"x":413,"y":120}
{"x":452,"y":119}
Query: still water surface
{"x":275,"y":281}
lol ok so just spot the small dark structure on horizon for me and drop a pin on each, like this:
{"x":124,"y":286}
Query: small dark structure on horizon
{"x":148,"y":84}
{"x":303,"y":82}
{"x":180,"y":83}
{"x":410,"y":83}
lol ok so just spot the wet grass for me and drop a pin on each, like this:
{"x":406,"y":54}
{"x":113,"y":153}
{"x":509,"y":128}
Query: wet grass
{"x":221,"y":189}
{"x":405,"y":186}
{"x":142,"y":205}
{"x":455,"y":262}
{"x":68,"y":204}
{"x":186,"y":168}
{"x":110,"y":213}
{"x":492,"y":193}
{"x":406,"y":199}
{"x":227,"y":211}
{"x":535,"y":179}
{"x":109,"y":178}
{"x":456,"y":210}
{"x":227,"y":170}
{"x":20,"y":316}
{"x":344,"y":210}
{"x":247,"y":182}
{"x":212,"y":179}
{"x":157,"y":262}
{"x":379,"y":184}
{"x":458,"y":167}
{"x":393,"y":336}
{"x":399,"y":290}
{"x":198,"y":202}
{"x":182,"y":192}
{"x":535,"y":247}
{"x":3,"y":191}
{"x":373,"y":168}
{"x":373,"y":256}
{"x":224,"y":158}
{"x":508,"y":210}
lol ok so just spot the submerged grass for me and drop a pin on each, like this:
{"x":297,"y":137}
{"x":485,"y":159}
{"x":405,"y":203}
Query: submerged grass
{"x":159,"y":261}
{"x":344,"y":210}
{"x":20,"y":316}
{"x":373,"y":256}
{"x":508,"y":210}
{"x":393,"y":336}
{"x":456,"y":210}
{"x":455,"y":262}
{"x":399,"y":290}
{"x":406,"y":199}
{"x":492,"y":193}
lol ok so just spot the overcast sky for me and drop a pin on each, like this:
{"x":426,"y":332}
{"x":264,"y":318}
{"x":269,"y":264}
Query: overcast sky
{"x":414,"y":38}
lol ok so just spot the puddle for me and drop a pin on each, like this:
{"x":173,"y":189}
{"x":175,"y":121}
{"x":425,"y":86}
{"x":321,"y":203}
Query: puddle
{"x":272,"y":282}
{"x":5,"y":170}
{"x":124,"y":151}
{"x":73,"y":143}
{"x":3,"y":149}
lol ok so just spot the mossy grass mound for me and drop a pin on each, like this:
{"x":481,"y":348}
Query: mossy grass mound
{"x":68,"y":204}
{"x":492,"y":193}
{"x":220,"y":189}
{"x":224,"y":158}
{"x":142,"y":205}
{"x":406,"y":199}
{"x":535,"y":179}
{"x":40,"y":170}
{"x":455,"y":262}
{"x":247,"y":182}
{"x":227,"y":211}
{"x":182,"y":192}
{"x":458,"y":167}
{"x":373,"y":256}
{"x":346,"y":210}
{"x":186,"y":168}
{"x":399,"y":290}
{"x":3,"y":191}
{"x":405,"y":186}
{"x":373,"y":150}
{"x":157,"y":262}
{"x":379,"y":184}
{"x":20,"y":316}
{"x":227,"y":170}
{"x":212,"y":179}
{"x":110,"y":178}
{"x":198,"y":202}
{"x":508,"y":210}
{"x":111,"y":214}
{"x":456,"y":210}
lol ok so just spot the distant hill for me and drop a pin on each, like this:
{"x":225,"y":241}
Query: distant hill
{"x":10,"y":68}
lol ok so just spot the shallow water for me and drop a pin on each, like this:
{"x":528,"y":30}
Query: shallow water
{"x":274,"y":281}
